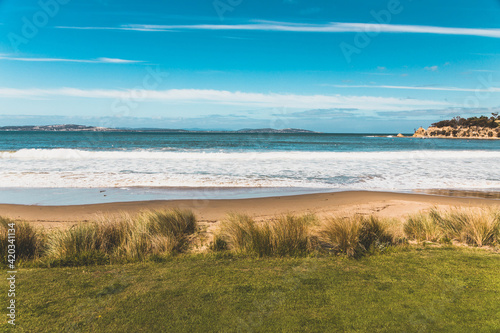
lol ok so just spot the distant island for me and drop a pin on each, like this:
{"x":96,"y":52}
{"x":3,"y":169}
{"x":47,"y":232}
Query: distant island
{"x":53,"y":128}
{"x":82,"y":128}
{"x":467,"y":128}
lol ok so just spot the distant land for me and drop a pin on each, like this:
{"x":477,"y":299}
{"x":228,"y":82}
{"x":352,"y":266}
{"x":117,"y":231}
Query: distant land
{"x":82,"y":128}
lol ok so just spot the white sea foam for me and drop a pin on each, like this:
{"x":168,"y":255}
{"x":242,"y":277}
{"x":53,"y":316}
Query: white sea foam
{"x":400,"y":170}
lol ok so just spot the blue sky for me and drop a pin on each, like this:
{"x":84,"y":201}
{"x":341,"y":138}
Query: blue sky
{"x":331,"y":66}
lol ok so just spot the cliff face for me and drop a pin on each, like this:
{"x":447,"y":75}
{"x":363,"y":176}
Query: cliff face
{"x":459,"y":132}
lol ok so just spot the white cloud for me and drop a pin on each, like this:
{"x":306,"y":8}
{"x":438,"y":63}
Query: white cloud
{"x":431,"y":68}
{"x":491,"y":89}
{"x":91,"y":61}
{"x":482,"y":70}
{"x":332,"y":27}
{"x":223,"y":97}
{"x":117,"y":61}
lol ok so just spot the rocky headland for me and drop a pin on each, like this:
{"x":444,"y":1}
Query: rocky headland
{"x":459,"y":132}
{"x":471,"y":128}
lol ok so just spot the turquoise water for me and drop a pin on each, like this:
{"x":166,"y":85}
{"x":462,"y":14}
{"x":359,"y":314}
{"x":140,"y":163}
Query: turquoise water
{"x":230,"y":142}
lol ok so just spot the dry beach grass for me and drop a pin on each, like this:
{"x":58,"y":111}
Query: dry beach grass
{"x":148,"y":234}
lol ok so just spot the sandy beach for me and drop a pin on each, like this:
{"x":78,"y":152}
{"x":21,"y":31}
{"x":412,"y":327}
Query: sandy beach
{"x":384,"y":204}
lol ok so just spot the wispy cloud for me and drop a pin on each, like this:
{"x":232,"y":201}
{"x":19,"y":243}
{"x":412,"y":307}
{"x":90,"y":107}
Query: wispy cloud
{"x":332,"y":27}
{"x":490,"y":89}
{"x":443,"y":113}
{"x":88,"y":61}
{"x":238,"y":98}
{"x":117,"y":61}
{"x":431,"y":68}
{"x":482,"y":70}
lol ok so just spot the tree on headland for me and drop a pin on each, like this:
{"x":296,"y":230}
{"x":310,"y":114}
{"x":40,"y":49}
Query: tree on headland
{"x":481,"y":121}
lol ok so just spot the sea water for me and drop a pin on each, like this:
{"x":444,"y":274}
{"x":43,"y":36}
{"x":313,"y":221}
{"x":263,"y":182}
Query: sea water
{"x":147,"y":165}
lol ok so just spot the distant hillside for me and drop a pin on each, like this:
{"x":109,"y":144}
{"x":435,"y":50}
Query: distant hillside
{"x":475,"y":127}
{"x":82,"y":128}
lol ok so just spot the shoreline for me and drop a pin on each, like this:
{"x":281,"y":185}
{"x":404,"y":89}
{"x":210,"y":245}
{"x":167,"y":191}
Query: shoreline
{"x":210,"y":211}
{"x":78,"y":196}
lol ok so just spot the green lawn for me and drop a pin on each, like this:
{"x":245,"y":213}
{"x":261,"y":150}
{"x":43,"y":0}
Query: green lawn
{"x":416,"y":290}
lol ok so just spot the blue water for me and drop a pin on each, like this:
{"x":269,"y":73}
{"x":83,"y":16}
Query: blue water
{"x":241,"y":142}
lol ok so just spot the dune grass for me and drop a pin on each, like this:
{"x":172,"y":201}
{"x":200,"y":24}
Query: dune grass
{"x":342,"y":234}
{"x":355,"y":235}
{"x":473,"y":226}
{"x":29,"y":240}
{"x":159,"y":232}
{"x":422,"y":226}
{"x":290,"y":235}
{"x":286,"y":235}
{"x":123,"y":237}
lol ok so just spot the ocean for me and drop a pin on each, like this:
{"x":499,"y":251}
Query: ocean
{"x":92,"y":167}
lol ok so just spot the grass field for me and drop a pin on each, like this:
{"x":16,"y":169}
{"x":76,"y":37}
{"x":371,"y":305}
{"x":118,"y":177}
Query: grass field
{"x":414,"y":289}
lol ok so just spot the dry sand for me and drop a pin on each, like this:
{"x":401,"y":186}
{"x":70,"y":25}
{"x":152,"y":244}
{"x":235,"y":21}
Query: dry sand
{"x":385,"y":204}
